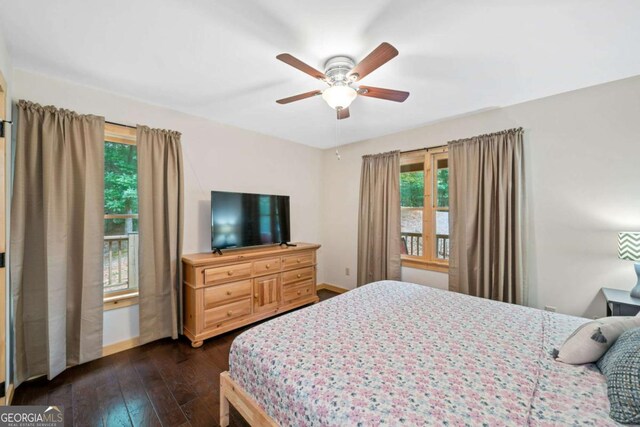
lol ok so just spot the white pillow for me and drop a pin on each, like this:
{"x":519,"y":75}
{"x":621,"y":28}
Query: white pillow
{"x":591,"y":340}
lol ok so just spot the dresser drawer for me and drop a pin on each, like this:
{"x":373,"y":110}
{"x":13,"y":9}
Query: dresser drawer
{"x":227,"y":273}
{"x":303,"y":290}
{"x":215,"y":316}
{"x":294,"y":276}
{"x":221,"y":294}
{"x":265,"y":266}
{"x":300,"y":260}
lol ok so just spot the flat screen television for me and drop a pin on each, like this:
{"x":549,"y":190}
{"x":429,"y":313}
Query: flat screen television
{"x":241,"y":219}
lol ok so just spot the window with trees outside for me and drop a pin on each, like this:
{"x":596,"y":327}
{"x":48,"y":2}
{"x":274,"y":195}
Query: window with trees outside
{"x":424,"y":201}
{"x":120,"y":247}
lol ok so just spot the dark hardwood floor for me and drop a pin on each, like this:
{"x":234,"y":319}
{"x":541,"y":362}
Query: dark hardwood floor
{"x":163,"y":383}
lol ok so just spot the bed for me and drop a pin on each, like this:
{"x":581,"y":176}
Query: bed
{"x":395,"y":353}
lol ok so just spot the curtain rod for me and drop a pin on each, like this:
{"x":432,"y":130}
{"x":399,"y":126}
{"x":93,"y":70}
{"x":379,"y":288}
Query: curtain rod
{"x":425,"y":148}
{"x":106,"y":121}
{"x":119,"y":124}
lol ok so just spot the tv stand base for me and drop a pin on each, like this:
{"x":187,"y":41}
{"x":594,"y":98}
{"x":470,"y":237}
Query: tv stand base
{"x":216,"y":251}
{"x":287,"y":244}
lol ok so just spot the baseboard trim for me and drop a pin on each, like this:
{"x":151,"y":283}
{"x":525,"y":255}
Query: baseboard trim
{"x":6,"y":400}
{"x":110,"y":349}
{"x":10,"y":390}
{"x":332,"y":288}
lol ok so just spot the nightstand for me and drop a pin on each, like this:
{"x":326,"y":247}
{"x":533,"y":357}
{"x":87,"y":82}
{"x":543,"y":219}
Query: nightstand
{"x":620,"y":303}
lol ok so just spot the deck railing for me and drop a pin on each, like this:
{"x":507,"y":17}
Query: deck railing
{"x":120,"y":261}
{"x":413,"y":244}
{"x":442,"y":246}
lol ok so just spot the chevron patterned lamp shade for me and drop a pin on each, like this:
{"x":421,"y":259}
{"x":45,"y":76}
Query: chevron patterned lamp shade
{"x":629,"y":249}
{"x":629,"y":246}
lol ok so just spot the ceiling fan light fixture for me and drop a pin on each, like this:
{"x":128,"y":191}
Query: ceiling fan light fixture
{"x":340,"y":72}
{"x":339,"y":96}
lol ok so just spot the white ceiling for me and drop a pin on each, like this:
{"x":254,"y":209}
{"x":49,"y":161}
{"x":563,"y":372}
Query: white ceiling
{"x":216,"y":59}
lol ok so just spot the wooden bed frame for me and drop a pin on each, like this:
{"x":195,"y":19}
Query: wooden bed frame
{"x":232,"y":393}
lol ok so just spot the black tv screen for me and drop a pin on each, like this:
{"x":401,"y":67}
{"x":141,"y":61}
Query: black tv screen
{"x":243,"y":219}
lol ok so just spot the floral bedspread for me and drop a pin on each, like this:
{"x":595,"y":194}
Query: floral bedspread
{"x":394,"y":353}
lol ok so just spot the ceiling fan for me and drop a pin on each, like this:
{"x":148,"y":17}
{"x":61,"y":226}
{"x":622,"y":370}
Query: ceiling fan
{"x":340,"y":72}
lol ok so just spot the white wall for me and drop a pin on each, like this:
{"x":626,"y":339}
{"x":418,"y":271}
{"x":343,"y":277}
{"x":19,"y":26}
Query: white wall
{"x":581,"y":153}
{"x":582,"y":156}
{"x":216,"y":157}
{"x":120,"y":325}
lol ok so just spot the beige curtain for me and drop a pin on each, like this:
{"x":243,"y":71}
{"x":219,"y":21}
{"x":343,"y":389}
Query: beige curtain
{"x":160,"y":201}
{"x":379,"y":218}
{"x":486,"y":194}
{"x":56,"y":239}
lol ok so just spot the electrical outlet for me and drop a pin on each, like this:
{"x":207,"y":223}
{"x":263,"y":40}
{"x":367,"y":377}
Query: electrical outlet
{"x":347,"y":271}
{"x":550,"y":308}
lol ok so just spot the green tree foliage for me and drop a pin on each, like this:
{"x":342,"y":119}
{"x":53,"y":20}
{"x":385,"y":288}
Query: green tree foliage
{"x":443,"y":187}
{"x":120,"y":183}
{"x":412,"y":189}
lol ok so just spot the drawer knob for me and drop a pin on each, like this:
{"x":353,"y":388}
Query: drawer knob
{"x":298,"y":260}
{"x":228,"y":292}
{"x":267,"y":266}
{"x":299,"y":275}
{"x":299,"y":292}
{"x":256,"y":296}
{"x":229,"y":313}
{"x":230,"y":272}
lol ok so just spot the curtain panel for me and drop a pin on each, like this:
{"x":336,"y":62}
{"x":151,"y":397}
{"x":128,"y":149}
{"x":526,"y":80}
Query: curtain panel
{"x":486,"y":204}
{"x":57,"y":231}
{"x":160,"y":221}
{"x":379,"y":218}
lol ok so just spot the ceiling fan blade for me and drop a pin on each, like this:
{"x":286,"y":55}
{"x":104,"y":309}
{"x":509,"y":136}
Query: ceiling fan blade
{"x":379,"y":56}
{"x":296,"y":63}
{"x":299,"y":97}
{"x":388,"y":94}
{"x":343,"y":113}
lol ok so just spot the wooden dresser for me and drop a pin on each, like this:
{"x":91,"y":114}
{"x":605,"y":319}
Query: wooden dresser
{"x":225,"y":292}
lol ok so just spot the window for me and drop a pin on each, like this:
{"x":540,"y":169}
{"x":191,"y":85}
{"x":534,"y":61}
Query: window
{"x":424,"y":201}
{"x":120,"y":248}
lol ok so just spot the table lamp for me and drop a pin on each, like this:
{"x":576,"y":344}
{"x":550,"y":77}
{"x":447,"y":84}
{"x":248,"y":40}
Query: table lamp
{"x":629,"y":249}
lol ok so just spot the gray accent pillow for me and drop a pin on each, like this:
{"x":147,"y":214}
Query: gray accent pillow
{"x":591,"y":340}
{"x":621,"y":366}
